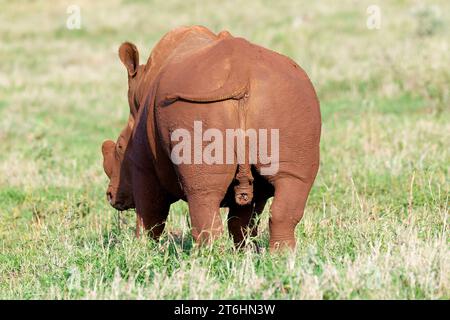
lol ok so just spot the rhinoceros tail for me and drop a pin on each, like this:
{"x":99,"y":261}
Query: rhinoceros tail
{"x":243,"y":191}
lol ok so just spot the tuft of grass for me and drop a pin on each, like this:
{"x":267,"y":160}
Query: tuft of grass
{"x":376,"y":223}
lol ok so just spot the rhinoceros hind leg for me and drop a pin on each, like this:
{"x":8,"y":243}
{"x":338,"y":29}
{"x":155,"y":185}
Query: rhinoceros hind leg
{"x":286,"y":211}
{"x":204,"y":210}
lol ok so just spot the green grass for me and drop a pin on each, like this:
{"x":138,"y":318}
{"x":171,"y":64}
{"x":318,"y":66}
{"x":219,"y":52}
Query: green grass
{"x":376,"y":224}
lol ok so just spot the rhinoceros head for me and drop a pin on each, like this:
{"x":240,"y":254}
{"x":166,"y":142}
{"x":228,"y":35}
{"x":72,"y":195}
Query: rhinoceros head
{"x":115,"y":161}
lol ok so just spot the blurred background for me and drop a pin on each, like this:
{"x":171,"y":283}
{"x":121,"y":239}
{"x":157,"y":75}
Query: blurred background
{"x":381,"y":71}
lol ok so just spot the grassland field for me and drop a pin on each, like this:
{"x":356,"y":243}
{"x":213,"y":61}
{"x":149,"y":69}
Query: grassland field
{"x":376,"y":223}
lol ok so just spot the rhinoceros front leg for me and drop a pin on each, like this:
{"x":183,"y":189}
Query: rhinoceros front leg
{"x":241,"y":223}
{"x":243,"y":220}
{"x":151,"y":219}
{"x":152,"y":204}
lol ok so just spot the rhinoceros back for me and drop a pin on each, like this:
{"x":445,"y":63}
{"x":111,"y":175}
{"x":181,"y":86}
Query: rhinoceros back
{"x":213,"y":73}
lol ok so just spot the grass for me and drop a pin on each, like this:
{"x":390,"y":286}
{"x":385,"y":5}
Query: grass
{"x":376,"y":224}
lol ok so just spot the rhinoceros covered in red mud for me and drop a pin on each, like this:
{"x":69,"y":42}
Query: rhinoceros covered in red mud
{"x":219,"y":122}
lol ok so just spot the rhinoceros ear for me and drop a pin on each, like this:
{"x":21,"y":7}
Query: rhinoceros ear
{"x":129,"y":55}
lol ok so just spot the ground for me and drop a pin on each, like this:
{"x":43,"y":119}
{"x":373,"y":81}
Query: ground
{"x":376,"y":223}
